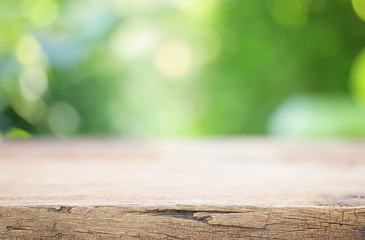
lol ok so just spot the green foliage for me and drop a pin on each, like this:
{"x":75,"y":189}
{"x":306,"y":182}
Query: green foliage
{"x":177,"y":68}
{"x":17,"y":133}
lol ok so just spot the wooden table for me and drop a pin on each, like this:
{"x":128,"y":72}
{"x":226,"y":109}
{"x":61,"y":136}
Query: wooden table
{"x":234,"y":188}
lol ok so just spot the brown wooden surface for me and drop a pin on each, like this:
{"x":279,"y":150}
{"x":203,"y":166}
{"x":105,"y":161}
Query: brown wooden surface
{"x":193,"y":189}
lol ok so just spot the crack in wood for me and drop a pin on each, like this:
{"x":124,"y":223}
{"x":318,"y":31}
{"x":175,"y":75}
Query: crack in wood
{"x":95,"y":233}
{"x":63,"y":209}
{"x":58,"y":235}
{"x":187,"y":214}
{"x":11,"y":228}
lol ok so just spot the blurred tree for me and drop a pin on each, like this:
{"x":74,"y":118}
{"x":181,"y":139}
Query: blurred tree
{"x":207,"y":67}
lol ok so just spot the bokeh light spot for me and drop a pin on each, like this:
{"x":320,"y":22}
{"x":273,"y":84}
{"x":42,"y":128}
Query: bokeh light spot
{"x":357,"y":78}
{"x":32,"y":111}
{"x":313,"y":5}
{"x":174,"y":59}
{"x":318,"y":116}
{"x":288,"y":13}
{"x":63,"y":119}
{"x":359,"y":7}
{"x":28,"y":51}
{"x":33,"y":83}
{"x":134,"y":39}
{"x":44,"y":12}
{"x":129,"y":7}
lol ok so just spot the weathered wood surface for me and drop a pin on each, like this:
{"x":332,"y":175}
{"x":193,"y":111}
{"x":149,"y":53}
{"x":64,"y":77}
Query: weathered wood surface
{"x":198,"y":189}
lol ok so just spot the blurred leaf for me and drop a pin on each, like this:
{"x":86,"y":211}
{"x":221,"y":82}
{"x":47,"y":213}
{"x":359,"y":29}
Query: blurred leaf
{"x":17,"y":133}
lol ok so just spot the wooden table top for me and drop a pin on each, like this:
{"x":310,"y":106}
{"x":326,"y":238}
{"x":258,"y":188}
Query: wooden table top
{"x":222,"y":188}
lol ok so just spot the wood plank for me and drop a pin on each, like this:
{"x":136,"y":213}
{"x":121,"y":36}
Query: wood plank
{"x":236,"y":188}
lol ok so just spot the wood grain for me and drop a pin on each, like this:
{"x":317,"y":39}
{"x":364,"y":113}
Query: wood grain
{"x":194,"y":189}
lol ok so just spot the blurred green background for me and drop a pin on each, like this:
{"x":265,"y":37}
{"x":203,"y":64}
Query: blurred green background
{"x":293,"y":68}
